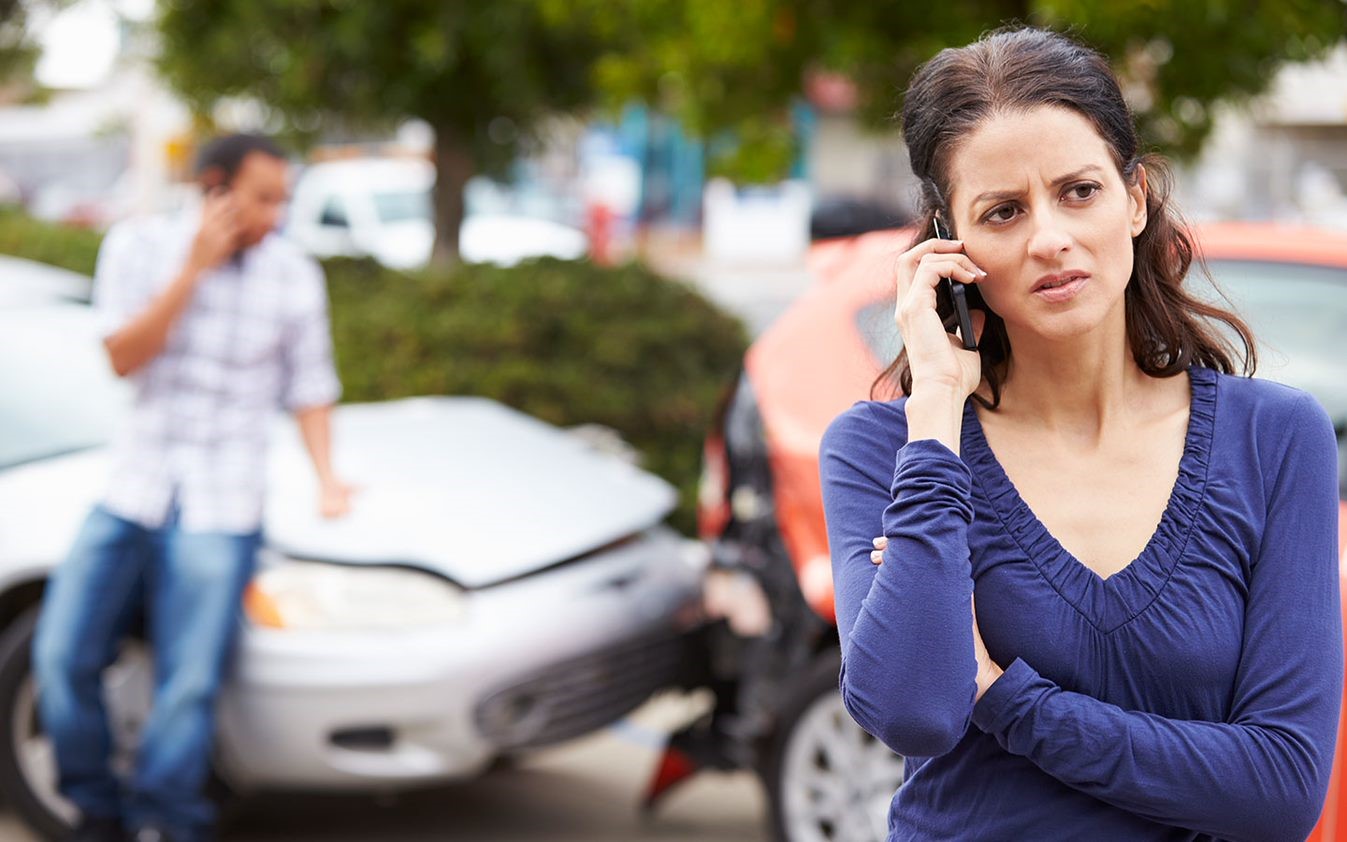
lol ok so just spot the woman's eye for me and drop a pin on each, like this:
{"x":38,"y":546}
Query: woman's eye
{"x":1085,"y":190}
{"x":1004,"y":213}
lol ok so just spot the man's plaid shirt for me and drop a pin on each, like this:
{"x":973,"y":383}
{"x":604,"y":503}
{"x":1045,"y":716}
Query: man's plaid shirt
{"x":254,"y":339}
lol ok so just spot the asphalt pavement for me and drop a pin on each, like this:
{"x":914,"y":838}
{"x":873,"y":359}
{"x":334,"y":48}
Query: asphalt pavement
{"x":584,"y":791}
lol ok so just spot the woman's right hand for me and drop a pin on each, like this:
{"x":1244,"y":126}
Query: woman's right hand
{"x":937,"y":359}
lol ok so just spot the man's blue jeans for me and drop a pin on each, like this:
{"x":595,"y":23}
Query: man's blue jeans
{"x":191,"y":586}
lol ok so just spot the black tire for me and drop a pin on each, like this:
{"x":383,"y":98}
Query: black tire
{"x":16,"y":645}
{"x":816,"y":684}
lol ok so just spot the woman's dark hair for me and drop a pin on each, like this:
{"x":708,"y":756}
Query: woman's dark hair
{"x":1168,"y":328}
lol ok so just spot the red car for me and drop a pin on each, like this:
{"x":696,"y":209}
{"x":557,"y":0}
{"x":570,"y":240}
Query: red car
{"x":774,"y":664}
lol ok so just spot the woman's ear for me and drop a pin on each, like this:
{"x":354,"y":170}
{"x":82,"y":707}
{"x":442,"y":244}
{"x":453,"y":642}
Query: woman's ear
{"x":1137,"y":194}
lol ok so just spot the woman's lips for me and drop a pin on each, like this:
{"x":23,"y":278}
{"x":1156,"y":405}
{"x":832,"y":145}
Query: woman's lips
{"x":1063,"y":291}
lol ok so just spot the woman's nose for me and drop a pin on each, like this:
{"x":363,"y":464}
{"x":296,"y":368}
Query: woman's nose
{"x":1049,"y":237}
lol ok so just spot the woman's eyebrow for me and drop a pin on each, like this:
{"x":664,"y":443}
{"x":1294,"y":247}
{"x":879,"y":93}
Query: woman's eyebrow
{"x":1003,"y":195}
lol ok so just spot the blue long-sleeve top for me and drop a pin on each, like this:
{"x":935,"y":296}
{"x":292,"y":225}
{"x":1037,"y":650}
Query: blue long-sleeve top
{"x":1193,"y":695}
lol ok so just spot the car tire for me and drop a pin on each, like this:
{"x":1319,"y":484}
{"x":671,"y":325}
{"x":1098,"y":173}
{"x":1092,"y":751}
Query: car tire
{"x":29,"y":788}
{"x":30,"y":799}
{"x":826,"y":779}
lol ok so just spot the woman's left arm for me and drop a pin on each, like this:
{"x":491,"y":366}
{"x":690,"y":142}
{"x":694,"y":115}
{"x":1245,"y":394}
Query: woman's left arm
{"x":1263,"y":774}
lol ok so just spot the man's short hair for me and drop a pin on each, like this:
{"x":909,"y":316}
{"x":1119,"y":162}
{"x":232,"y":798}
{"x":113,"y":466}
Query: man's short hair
{"x":226,"y":154}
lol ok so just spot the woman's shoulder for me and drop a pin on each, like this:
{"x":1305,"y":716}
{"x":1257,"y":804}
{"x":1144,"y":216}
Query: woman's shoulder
{"x":867,"y":424}
{"x":1266,"y":423}
{"x":1266,"y":404}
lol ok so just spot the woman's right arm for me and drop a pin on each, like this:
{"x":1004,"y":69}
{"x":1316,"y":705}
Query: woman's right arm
{"x":908,"y":667}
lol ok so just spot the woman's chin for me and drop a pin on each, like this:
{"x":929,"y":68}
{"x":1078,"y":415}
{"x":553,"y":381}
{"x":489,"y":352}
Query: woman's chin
{"x":1061,"y":328}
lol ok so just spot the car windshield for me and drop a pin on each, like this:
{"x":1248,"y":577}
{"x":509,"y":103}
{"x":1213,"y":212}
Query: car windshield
{"x":402,"y":206}
{"x":1298,"y":315}
{"x":57,"y":392}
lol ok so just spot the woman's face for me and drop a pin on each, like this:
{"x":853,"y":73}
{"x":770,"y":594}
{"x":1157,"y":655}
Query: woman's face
{"x":1041,"y":208}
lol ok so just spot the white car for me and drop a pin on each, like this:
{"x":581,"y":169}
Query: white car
{"x":381,"y":207}
{"x":500,"y":585}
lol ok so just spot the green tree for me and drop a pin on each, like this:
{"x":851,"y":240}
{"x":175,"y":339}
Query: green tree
{"x":18,"y":54}
{"x":484,"y":76}
{"x":736,"y":67}
{"x":1180,"y":58}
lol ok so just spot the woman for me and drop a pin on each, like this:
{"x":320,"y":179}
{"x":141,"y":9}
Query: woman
{"x":1155,"y":649}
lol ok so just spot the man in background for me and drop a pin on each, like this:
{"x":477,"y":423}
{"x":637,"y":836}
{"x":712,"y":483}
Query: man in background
{"x":217,"y":322}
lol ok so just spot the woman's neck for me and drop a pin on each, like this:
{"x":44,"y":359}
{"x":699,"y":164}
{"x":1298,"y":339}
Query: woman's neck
{"x":1076,"y":389}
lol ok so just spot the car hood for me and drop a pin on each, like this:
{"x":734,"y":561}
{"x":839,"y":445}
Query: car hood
{"x":463,"y":487}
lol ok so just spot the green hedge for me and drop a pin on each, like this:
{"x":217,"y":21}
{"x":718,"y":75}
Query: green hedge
{"x":70,"y":248}
{"x":567,"y":342}
{"x":564,"y":341}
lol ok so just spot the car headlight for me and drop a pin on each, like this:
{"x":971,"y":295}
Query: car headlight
{"x":289,"y":594}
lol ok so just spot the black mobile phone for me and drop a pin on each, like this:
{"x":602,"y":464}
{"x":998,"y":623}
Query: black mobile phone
{"x":952,"y":300}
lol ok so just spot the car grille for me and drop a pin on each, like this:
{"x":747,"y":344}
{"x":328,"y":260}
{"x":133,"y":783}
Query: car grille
{"x":575,"y":697}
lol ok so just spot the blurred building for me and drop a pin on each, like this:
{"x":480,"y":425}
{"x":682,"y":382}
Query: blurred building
{"x":848,"y":161}
{"x":93,"y":156}
{"x":1283,"y":156}
{"x":109,"y":139}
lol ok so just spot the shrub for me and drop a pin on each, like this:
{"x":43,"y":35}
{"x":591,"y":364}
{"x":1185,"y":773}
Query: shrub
{"x":567,"y":342}
{"x":70,"y":248}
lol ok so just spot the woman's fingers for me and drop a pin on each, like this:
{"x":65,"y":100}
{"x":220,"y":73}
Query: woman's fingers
{"x":877,"y":555}
{"x":933,"y":252}
{"x":934,"y":267}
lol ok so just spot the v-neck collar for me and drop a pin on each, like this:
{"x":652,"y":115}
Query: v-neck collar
{"x":1106,"y":603}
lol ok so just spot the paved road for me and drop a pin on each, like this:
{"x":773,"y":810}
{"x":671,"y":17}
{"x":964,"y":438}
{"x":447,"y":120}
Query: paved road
{"x":585,"y":791}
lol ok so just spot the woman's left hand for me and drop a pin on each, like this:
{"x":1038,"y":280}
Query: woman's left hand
{"x":988,"y":670}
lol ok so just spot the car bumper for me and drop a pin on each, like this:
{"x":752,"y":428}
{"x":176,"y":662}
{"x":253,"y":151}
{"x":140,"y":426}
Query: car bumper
{"x":532,"y":662}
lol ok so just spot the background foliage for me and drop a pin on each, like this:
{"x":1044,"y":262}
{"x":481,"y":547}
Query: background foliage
{"x":487,"y":76}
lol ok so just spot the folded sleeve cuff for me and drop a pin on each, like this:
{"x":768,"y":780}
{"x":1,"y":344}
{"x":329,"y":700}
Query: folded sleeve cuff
{"x":924,"y":451}
{"x":928,"y":472}
{"x":1004,"y":701}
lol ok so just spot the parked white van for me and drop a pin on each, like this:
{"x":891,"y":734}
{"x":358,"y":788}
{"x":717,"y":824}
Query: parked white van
{"x":381,"y":208}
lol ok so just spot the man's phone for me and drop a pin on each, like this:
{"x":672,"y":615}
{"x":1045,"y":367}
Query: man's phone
{"x":952,"y":300}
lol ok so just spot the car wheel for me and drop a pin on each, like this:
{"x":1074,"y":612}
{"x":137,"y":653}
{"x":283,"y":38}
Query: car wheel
{"x":27,"y":759}
{"x":827,"y":779}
